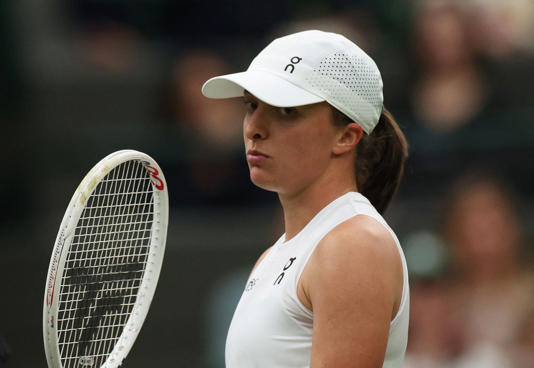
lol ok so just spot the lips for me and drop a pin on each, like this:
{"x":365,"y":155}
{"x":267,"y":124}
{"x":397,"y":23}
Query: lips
{"x":255,"y":157}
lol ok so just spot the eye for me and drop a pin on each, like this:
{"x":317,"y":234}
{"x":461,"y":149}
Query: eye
{"x":250,"y":105}
{"x":287,"y":110}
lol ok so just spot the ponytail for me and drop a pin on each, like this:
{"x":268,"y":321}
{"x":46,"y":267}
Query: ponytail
{"x":380,"y":158}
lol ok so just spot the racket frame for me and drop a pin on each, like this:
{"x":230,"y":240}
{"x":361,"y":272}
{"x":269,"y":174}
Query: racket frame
{"x":63,"y":241}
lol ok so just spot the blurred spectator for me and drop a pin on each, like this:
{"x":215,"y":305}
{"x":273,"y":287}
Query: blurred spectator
{"x":526,"y":347}
{"x":450,"y":89}
{"x":501,"y":29}
{"x":478,"y":311}
{"x":111,"y":46}
{"x":492,"y":280}
{"x":461,"y":100}
{"x":210,"y":169}
{"x":434,"y":333}
{"x":501,"y":33}
{"x":216,"y":124}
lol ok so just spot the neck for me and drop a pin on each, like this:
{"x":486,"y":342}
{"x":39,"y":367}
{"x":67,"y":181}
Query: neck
{"x":302,"y":206}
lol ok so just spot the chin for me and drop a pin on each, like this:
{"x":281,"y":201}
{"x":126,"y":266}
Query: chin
{"x":262,"y":181}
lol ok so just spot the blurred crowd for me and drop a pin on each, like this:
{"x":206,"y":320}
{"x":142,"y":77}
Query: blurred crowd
{"x":83,"y":76}
{"x":475,"y":306}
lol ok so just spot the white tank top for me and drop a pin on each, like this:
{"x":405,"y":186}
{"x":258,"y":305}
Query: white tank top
{"x":271,"y":327}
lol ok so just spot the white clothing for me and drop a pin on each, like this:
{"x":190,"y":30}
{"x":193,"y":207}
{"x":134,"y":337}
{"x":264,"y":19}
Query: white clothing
{"x":271,"y":327}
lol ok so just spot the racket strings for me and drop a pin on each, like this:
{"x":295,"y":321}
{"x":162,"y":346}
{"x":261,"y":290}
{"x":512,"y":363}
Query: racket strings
{"x":105,"y":265}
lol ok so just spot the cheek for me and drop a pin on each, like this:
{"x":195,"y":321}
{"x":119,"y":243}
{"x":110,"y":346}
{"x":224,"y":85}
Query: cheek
{"x":306,"y":156}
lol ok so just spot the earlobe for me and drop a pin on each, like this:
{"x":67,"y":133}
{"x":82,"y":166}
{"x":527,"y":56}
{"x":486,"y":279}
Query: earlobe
{"x":348,"y":138}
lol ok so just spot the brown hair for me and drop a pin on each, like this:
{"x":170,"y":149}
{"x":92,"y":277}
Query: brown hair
{"x":380,"y":158}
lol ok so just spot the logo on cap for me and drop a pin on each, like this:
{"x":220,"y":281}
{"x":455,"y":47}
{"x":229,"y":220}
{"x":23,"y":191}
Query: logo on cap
{"x":294,"y":60}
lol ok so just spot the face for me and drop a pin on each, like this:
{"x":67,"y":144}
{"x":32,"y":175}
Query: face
{"x":484,"y":231}
{"x":288,"y":149}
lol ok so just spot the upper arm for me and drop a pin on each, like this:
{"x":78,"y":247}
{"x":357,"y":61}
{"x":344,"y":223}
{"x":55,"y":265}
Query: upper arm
{"x":352,"y":283}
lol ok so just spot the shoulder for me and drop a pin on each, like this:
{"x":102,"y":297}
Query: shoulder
{"x":353,"y":285}
{"x":361,"y":254}
{"x":359,"y":239}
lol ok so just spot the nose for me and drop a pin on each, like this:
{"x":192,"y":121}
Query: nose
{"x":255,"y":124}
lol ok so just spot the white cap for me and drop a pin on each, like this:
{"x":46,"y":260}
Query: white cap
{"x":310,"y":67}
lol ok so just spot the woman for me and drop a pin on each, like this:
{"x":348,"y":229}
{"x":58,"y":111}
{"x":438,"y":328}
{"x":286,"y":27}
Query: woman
{"x":333,"y":290}
{"x":492,"y":280}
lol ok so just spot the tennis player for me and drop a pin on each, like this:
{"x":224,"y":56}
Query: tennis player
{"x":333,"y":290}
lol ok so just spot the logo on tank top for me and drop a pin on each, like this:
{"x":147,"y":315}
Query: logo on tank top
{"x":286,"y":267}
{"x":251,"y":284}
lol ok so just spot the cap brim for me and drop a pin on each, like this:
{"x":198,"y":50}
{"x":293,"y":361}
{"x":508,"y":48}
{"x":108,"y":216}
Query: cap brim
{"x":268,"y":87}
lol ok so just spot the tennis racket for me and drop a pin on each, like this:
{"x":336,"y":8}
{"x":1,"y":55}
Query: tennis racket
{"x":105,"y":263}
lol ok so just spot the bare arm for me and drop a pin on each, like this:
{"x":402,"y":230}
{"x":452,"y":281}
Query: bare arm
{"x":353,"y":284}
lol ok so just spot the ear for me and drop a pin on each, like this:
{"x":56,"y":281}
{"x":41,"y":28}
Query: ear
{"x":347,"y":139}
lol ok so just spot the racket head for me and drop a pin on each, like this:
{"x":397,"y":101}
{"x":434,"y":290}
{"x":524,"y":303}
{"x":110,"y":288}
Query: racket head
{"x":111,"y":239}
